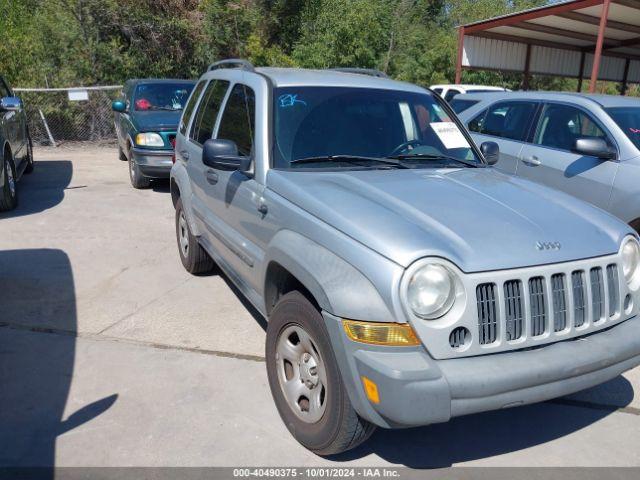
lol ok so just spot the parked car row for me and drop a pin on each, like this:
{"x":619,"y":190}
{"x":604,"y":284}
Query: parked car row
{"x":405,"y":281}
{"x":16,"y":154}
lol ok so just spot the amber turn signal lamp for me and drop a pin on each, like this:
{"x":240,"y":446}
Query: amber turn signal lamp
{"x":377,"y":333}
{"x":371,"y":389}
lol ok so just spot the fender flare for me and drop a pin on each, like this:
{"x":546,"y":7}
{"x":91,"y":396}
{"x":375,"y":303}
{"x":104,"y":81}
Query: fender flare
{"x":180,"y":178}
{"x":337,"y":286}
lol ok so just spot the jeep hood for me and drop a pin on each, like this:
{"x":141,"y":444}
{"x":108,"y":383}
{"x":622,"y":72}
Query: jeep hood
{"x":154,"y":120}
{"x":480,"y":219}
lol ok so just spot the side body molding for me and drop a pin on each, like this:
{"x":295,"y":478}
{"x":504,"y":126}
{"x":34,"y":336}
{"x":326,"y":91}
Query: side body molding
{"x":337,"y":286}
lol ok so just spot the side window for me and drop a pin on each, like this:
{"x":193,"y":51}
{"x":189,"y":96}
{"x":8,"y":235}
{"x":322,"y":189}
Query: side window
{"x":4,"y":90}
{"x":238,"y":119}
{"x":205,"y":120}
{"x":476,"y":124}
{"x":438,"y":90}
{"x":451,"y":93}
{"x":509,"y":120}
{"x":188,"y":109}
{"x":561,"y":125}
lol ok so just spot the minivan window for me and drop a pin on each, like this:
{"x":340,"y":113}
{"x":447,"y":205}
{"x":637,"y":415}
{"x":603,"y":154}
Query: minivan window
{"x":207,"y":113}
{"x":188,"y":109}
{"x":628,"y":119}
{"x":238,"y":119}
{"x":510,"y":120}
{"x":324,"y":122}
{"x":561,"y":125}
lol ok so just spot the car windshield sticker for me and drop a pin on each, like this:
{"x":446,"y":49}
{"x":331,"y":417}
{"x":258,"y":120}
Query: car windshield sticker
{"x":450,"y":135}
{"x":634,"y":130}
{"x":290,"y":100}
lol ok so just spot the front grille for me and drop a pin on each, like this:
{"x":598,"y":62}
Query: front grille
{"x":579,"y":305}
{"x":597,"y":295}
{"x":556,"y":303}
{"x":614,"y":290}
{"x":487,"y":313}
{"x":538,"y":307}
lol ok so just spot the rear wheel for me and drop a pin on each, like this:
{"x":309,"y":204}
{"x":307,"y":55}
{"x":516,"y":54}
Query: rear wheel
{"x":29,"y":167}
{"x":305,"y":380}
{"x":138,"y":180}
{"x":9,"y":194}
{"x":194,"y":258}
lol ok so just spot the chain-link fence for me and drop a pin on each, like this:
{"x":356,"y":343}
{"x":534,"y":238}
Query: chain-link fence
{"x":68,"y":116}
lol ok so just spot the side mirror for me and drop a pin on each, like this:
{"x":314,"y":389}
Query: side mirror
{"x":223,"y":155}
{"x":119,"y":106}
{"x":491,"y":152}
{"x":594,"y":147}
{"x":10,"y":104}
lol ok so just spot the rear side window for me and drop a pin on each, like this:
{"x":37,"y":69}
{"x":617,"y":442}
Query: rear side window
{"x":437,"y":90}
{"x":207,"y":113}
{"x":450,"y":94}
{"x":238,"y":119}
{"x":561,"y":125}
{"x":188,"y":109}
{"x":459,"y":105}
{"x":510,"y":120}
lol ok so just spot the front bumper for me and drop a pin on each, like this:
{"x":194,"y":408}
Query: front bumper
{"x":153,"y":163}
{"x":416,"y":390}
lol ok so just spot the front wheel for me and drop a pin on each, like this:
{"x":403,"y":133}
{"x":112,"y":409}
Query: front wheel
{"x":9,"y":193}
{"x":193,"y":257}
{"x":305,"y":380}
{"x":138,"y":180}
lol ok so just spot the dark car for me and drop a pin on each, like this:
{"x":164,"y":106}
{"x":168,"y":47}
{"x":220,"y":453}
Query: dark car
{"x":146,"y":118}
{"x":17,"y":151}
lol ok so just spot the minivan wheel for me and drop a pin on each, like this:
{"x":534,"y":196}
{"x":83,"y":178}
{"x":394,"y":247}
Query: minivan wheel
{"x":194,"y":258}
{"x":305,"y":380}
{"x":9,"y":194}
{"x":138,"y":180}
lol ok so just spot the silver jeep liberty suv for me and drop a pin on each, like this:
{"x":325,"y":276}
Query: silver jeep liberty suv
{"x":405,"y":280}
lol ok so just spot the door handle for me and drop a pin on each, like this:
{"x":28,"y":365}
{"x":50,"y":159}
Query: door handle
{"x":212,"y":177}
{"x":532,"y":161}
{"x":184,"y":154}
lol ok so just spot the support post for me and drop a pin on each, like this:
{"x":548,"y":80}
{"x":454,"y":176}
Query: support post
{"x":597,"y":55}
{"x":460,"y":52}
{"x":625,"y":78}
{"x":581,"y":74}
{"x":527,"y":69}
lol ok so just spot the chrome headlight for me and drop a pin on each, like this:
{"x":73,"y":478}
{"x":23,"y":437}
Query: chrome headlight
{"x":630,"y":253}
{"x":431,"y":291}
{"x":149,"y":139}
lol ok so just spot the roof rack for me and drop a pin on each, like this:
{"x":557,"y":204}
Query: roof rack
{"x":362,"y":71}
{"x":232,"y":63}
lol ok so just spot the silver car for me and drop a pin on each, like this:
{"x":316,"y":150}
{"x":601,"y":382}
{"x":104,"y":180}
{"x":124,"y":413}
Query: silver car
{"x":585,"y":145}
{"x":405,"y":281}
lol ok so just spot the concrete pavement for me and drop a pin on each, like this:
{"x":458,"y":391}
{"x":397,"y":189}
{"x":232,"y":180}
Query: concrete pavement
{"x":112,"y":355}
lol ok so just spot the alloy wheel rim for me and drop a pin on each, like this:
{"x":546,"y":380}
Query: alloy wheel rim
{"x":183,"y":234}
{"x":10,"y":178}
{"x":301,"y":374}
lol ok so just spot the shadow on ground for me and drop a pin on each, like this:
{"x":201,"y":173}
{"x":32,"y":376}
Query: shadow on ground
{"x":35,"y":369}
{"x":43,"y":189}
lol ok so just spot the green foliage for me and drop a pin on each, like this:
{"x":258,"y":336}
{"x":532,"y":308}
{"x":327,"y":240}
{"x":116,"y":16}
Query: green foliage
{"x":85,"y":42}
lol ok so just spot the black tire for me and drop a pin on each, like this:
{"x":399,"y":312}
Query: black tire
{"x":29,"y":168}
{"x":138,"y":180}
{"x":121,"y":155}
{"x":8,"y":195}
{"x":195,"y":260}
{"x":340,"y":428}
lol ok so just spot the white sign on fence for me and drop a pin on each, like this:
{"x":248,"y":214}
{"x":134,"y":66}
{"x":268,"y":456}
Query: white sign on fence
{"x":78,"y":95}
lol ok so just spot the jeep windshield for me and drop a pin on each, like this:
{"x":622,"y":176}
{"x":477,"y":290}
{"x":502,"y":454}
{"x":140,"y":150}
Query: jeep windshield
{"x":628,"y":119}
{"x":364,"y":128}
{"x":162,"y":96}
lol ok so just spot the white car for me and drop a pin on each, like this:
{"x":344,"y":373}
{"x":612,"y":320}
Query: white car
{"x":449,"y":91}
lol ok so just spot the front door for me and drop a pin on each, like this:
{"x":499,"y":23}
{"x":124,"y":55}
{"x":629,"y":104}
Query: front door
{"x":550,"y":160}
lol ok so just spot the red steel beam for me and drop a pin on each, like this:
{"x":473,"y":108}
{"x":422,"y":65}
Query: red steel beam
{"x":591,"y":20}
{"x":461,"y":32}
{"x":508,"y":20}
{"x":597,"y":56}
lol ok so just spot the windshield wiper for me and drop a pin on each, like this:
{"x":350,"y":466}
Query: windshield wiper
{"x":430,"y":156}
{"x":348,"y":159}
{"x":169,"y":109}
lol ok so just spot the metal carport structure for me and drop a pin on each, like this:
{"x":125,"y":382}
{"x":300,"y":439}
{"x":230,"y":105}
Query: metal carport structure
{"x":595,"y":39}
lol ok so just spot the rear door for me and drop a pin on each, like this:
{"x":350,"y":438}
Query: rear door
{"x":508,"y":124}
{"x":550,"y":161}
